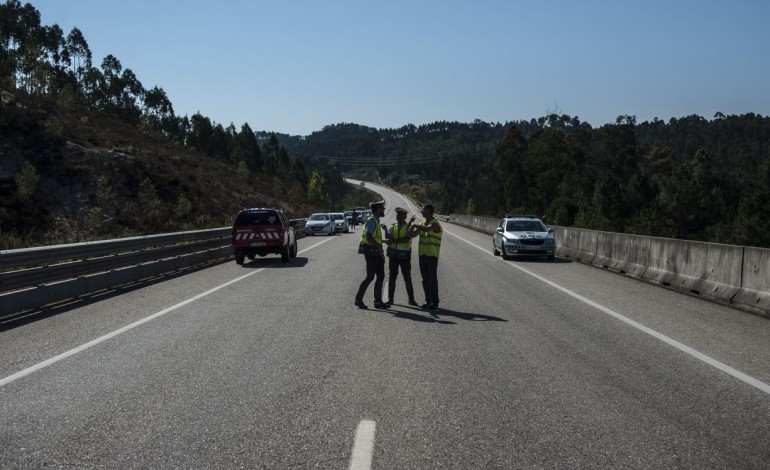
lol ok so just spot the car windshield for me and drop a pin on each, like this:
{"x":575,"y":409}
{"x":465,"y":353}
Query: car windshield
{"x":319,"y":217}
{"x":258,"y":218}
{"x":524,"y":226}
{"x":338,"y":216}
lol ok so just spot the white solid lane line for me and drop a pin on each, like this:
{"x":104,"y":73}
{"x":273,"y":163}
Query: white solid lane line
{"x":363,"y":446}
{"x":101,"y":339}
{"x":660,"y":336}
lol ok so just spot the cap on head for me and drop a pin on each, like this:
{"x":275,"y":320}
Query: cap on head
{"x":374,"y":205}
{"x":401,"y":210}
{"x":428,"y":207}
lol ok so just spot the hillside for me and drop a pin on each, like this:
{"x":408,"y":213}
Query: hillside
{"x":69,"y":176}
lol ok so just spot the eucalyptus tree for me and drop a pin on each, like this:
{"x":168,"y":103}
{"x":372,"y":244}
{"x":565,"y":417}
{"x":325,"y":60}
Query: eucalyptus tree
{"x":79,"y":54}
{"x":130,"y":95}
{"x":246,"y":149}
{"x":158,"y":112}
{"x":111,"y":69}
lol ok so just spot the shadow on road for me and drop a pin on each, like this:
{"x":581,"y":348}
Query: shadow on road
{"x":274,"y":263}
{"x":418,"y":318}
{"x":464,"y":315}
{"x":433,"y":316}
{"x":537,"y":259}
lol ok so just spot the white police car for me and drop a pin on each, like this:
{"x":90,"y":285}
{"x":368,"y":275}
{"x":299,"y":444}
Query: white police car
{"x":523,"y":235}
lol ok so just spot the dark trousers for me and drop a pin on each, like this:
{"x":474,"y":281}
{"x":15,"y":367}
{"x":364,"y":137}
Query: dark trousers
{"x":375,"y":267}
{"x":429,"y":273}
{"x":406,"y":271}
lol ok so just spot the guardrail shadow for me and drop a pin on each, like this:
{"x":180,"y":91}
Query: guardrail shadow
{"x":14,"y":320}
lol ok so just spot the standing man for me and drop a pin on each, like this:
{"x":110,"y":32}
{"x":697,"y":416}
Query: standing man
{"x":371,"y":247}
{"x":430,"y":232}
{"x":399,"y":243}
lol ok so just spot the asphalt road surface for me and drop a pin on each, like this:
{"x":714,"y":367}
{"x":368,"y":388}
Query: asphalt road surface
{"x":528,"y":364}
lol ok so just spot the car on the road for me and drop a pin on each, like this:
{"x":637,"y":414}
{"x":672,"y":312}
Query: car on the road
{"x":260,"y":231}
{"x":340,"y":222}
{"x":319,"y":223}
{"x":523,"y":235}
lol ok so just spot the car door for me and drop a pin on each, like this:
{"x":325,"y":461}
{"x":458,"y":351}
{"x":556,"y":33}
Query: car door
{"x":498,"y":236}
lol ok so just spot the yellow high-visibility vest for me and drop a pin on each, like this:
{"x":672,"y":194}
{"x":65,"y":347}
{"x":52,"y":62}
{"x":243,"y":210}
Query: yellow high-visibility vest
{"x":401,"y":233}
{"x":377,"y":235}
{"x":430,"y":241}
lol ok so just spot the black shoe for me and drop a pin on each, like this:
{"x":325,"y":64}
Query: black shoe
{"x":425,"y":305}
{"x":360,"y":304}
{"x":413,"y":303}
{"x":381,"y":305}
{"x":389,"y":302}
{"x":433,"y":306}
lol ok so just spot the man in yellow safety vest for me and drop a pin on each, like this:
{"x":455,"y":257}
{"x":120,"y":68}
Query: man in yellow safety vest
{"x":430,"y":232}
{"x":399,"y":243}
{"x":371,"y":247}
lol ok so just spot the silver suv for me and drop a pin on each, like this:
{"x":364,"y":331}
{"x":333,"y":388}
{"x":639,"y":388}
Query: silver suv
{"x":523,"y":235}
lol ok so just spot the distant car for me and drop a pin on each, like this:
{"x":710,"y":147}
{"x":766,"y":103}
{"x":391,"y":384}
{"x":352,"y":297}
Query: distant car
{"x":353,"y":218}
{"x":319,"y":224}
{"x":523,"y":235}
{"x":340,"y":223}
{"x":263,"y":231}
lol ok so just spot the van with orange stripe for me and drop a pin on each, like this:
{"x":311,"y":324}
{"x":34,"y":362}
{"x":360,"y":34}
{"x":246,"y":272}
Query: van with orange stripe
{"x":262,"y":231}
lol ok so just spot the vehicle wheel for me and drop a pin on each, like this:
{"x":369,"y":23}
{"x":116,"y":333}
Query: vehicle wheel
{"x":285,"y":254}
{"x":494,"y":249}
{"x":293,"y":253}
{"x":502,"y":252}
{"x":551,"y":257}
{"x":239,"y":259}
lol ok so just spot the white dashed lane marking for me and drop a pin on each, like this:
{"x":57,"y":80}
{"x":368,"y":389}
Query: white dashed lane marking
{"x":363,"y":446}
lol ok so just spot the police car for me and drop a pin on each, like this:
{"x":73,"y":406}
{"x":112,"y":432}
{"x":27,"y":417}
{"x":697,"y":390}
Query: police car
{"x":523,"y":235}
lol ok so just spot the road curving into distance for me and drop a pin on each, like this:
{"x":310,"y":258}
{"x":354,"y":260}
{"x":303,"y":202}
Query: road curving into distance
{"x":529,"y":364}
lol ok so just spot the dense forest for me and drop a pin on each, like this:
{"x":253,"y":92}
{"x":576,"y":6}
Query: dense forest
{"x":689,"y":178}
{"x":87,"y":151}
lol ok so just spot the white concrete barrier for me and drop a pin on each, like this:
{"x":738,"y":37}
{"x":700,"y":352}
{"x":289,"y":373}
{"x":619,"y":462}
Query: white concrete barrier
{"x":482,"y":224}
{"x":622,"y":253}
{"x":576,"y":243}
{"x":708,"y":269}
{"x":735,"y":275}
{"x":754,"y":293}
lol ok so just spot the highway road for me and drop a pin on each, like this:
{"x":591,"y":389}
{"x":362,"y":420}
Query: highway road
{"x":529,"y":364}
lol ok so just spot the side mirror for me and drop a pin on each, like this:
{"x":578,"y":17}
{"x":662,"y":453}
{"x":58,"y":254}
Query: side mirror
{"x":550,"y":230}
{"x":499,"y":230}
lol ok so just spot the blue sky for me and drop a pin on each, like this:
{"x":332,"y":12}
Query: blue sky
{"x":296,"y":66}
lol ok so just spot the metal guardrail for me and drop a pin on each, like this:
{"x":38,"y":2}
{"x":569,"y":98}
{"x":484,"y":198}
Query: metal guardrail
{"x":33,"y":277}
